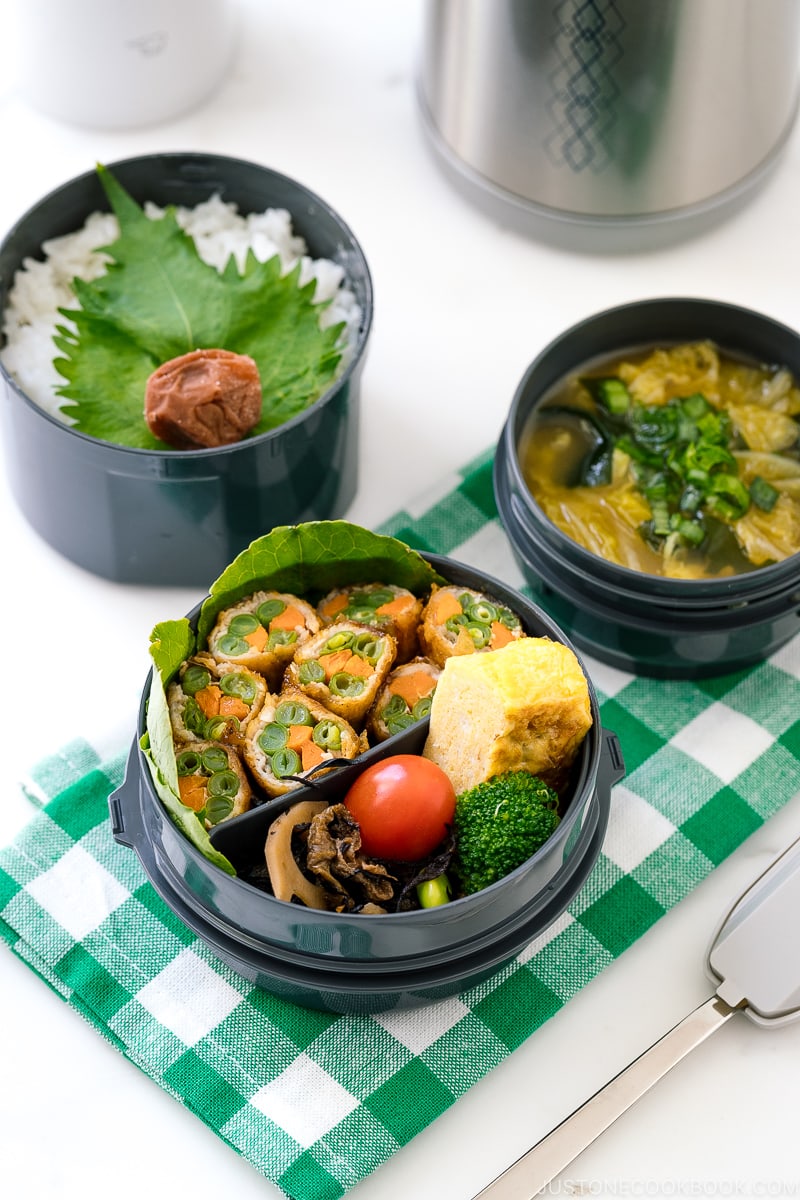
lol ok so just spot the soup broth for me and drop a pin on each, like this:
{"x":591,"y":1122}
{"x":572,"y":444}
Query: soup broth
{"x":680,"y":461}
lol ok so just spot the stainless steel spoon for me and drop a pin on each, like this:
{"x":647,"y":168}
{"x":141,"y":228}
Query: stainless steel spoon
{"x":754,"y":960}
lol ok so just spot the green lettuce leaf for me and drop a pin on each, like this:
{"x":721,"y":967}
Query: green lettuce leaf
{"x":158,"y":300}
{"x":171,"y":643}
{"x":160,"y":756}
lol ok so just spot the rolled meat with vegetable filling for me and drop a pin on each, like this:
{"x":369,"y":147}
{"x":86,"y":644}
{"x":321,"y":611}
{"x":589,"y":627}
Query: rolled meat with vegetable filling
{"x":404,"y":699}
{"x":343,"y":667}
{"x":293,"y":734}
{"x":459,"y":620}
{"x":263,"y":632}
{"x":212,"y":781}
{"x":385,"y":606}
{"x":213,"y":701}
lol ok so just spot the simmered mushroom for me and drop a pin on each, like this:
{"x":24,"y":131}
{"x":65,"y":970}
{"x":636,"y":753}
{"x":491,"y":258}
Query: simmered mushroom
{"x":335,"y":855}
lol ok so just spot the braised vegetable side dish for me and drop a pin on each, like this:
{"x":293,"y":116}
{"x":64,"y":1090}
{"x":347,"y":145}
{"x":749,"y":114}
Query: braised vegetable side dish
{"x":682,"y":462}
{"x":274,"y":690}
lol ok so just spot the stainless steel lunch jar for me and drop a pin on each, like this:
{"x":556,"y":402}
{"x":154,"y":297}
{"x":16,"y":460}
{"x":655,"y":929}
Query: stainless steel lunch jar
{"x":616,"y":114}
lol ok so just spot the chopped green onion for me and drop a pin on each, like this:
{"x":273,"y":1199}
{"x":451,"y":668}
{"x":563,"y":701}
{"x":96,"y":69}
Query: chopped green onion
{"x":729,"y":494}
{"x":694,"y":406}
{"x":692,"y":531}
{"x":612,"y":393}
{"x":682,"y":463}
{"x":654,"y":426}
{"x":691,"y":499}
{"x":763,"y":494}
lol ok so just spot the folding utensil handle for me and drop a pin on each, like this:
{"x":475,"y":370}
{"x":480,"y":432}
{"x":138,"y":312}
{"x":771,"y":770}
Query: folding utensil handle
{"x":533,"y":1171}
{"x":754,"y":960}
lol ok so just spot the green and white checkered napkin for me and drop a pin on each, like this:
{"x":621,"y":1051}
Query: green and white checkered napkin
{"x":315,"y":1101}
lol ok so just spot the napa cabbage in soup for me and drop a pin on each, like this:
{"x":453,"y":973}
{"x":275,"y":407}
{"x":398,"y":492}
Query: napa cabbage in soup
{"x":679,"y":461}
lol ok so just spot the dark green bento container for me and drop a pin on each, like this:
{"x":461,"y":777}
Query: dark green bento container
{"x":178,"y":517}
{"x":645,"y":624}
{"x":354,"y":962}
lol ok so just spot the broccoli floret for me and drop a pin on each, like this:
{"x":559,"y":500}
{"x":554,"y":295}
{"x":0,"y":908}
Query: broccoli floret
{"x":499,"y":824}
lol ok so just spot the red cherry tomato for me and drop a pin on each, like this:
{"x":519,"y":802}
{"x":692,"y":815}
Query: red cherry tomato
{"x":403,"y":806}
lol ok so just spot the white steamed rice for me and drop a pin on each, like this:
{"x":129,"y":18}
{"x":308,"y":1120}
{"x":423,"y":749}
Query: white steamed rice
{"x":42,"y":287}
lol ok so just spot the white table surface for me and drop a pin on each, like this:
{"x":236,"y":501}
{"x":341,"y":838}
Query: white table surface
{"x":325,"y":92}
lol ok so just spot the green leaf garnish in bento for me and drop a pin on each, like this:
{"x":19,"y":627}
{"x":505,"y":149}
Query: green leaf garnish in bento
{"x":157,"y":746}
{"x":171,"y":643}
{"x":158,"y":300}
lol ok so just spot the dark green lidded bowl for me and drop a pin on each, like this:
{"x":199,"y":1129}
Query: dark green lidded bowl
{"x":645,"y":623}
{"x":177,"y":517}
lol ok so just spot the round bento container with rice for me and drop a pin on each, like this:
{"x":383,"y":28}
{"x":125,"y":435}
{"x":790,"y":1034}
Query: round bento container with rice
{"x":183,"y":340}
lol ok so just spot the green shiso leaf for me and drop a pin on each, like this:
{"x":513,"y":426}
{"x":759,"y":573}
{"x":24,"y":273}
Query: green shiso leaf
{"x":312,"y":558}
{"x":158,"y":750}
{"x":158,"y":300}
{"x":306,"y":560}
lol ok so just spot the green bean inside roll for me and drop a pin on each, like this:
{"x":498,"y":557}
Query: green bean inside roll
{"x":459,"y":620}
{"x":263,"y":632}
{"x":212,"y":782}
{"x":344,"y":667}
{"x":293,"y":735}
{"x":213,"y":700}
{"x":404,"y":699}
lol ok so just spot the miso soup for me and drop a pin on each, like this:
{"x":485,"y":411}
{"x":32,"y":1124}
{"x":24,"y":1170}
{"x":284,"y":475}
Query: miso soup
{"x":680,"y":461}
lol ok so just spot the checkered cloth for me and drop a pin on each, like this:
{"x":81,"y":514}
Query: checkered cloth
{"x":316,"y":1101}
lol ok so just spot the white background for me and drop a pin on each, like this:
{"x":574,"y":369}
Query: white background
{"x":325,"y":92}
